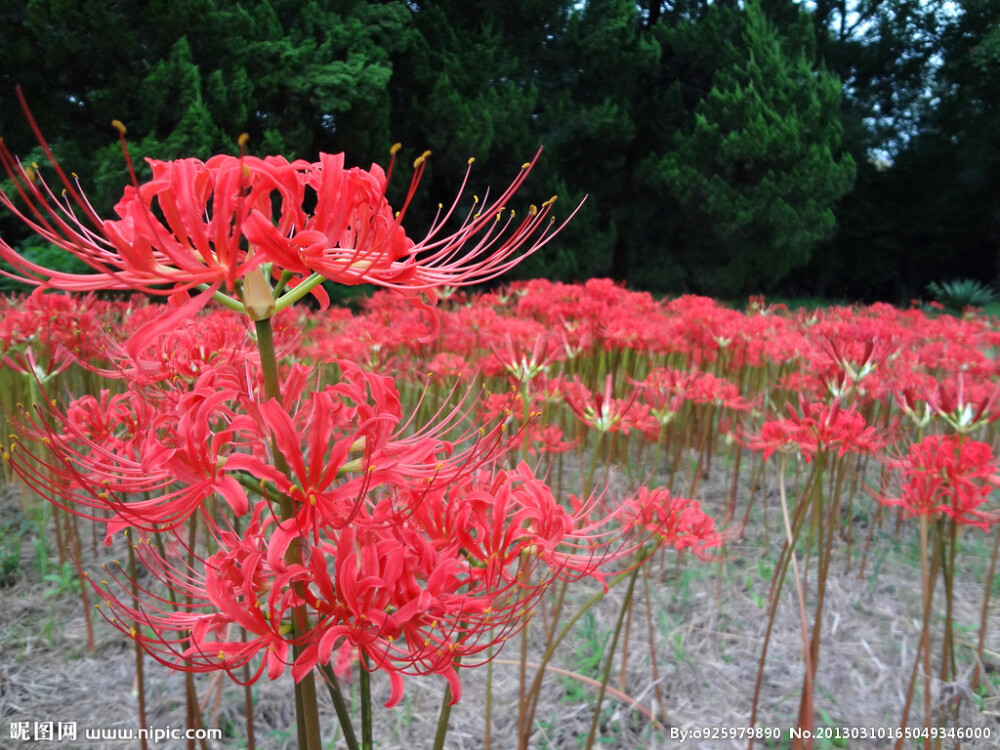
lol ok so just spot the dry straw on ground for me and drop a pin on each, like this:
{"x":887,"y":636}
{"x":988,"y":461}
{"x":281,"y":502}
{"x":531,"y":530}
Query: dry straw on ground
{"x":710,"y":620}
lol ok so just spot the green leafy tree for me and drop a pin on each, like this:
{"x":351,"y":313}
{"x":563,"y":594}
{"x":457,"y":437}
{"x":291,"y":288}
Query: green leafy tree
{"x":925,"y":207}
{"x":189,"y":76}
{"x":597,"y":109}
{"x":756,"y":171}
{"x":969,"y":113}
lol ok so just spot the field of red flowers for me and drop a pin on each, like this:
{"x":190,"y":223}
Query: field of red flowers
{"x":593,"y":516}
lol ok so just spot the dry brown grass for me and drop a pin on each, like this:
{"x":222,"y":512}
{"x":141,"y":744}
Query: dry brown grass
{"x":710,"y":620}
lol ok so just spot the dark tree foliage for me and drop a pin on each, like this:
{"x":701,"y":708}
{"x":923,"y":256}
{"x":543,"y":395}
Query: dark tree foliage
{"x":757,"y":170}
{"x":717,"y":141}
{"x":921,"y":120}
{"x":187,"y":77}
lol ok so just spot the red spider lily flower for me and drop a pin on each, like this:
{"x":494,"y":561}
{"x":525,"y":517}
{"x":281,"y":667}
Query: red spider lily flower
{"x":856,"y":360}
{"x":54,"y":326}
{"x":666,"y":390}
{"x":447,"y":366}
{"x":964,"y":406}
{"x":210,"y":224}
{"x":165,"y":344}
{"x":817,"y":427}
{"x":176,"y":452}
{"x":235,"y":587}
{"x":676,"y":521}
{"x":421,"y":594}
{"x":641,"y":419}
{"x":948,"y":474}
{"x":321,"y":439}
{"x":197,"y":242}
{"x":27,"y":363}
{"x":549,"y":439}
{"x":518,"y":364}
{"x":598,"y":410}
{"x":354,"y":237}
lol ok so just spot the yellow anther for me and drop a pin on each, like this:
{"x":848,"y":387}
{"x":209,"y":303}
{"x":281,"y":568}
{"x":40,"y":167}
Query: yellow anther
{"x":421,"y":159}
{"x":526,"y":165}
{"x":550,"y":201}
{"x":131,"y":632}
{"x":395,"y":148}
{"x":243,"y":139}
{"x":533,"y":210}
{"x":119,"y":126}
{"x":472,"y":159}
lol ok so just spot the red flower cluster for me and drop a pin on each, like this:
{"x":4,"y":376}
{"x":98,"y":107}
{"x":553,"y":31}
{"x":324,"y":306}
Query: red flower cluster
{"x":336,"y":526}
{"x":817,"y":427}
{"x":210,"y":224}
{"x":948,"y":474}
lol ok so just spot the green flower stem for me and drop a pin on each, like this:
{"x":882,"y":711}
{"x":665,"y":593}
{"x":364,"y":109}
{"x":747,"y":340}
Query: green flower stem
{"x":536,"y":684}
{"x":247,"y":686}
{"x":139,"y":672}
{"x":365,"y":684}
{"x":488,"y":708}
{"x":267,"y":490}
{"x":225,"y":300}
{"x":793,"y":529}
{"x":298,"y":292}
{"x":984,"y":614}
{"x":306,"y":706}
{"x":188,"y":679}
{"x":286,"y":276}
{"x":928,"y":573}
{"x":340,"y":706}
{"x":445,"y":715}
{"x":626,"y":605}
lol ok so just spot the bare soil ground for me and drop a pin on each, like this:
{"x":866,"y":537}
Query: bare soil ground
{"x":709,"y":619}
